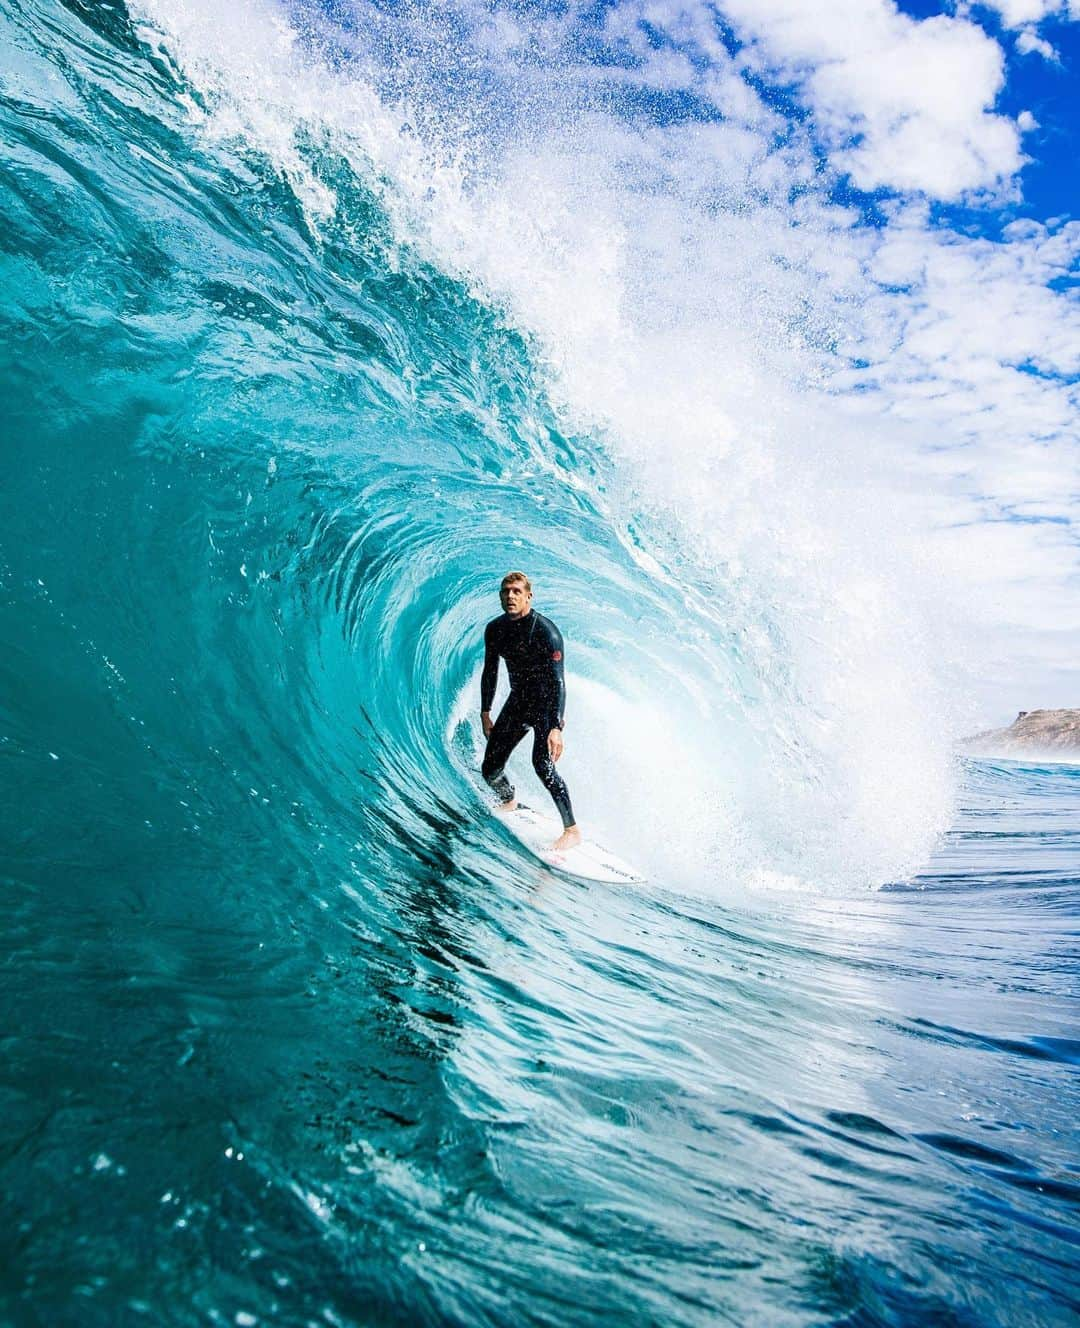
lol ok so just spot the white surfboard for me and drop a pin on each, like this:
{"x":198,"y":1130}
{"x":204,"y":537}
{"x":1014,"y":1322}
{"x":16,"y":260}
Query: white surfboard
{"x":588,"y":861}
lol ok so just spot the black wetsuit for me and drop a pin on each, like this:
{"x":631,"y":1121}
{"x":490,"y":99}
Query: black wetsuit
{"x":532,"y":647}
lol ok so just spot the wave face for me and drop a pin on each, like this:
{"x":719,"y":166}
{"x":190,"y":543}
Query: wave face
{"x":297,"y":359}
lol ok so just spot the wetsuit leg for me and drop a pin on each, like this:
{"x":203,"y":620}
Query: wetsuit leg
{"x":549,"y":776}
{"x":505,"y":735}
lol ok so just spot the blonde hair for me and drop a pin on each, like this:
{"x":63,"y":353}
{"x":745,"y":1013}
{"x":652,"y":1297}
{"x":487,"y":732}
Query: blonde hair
{"x":515,"y":576}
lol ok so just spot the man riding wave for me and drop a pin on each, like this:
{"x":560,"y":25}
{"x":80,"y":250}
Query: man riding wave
{"x":532,"y":648}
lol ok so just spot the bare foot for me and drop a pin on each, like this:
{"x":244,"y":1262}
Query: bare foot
{"x":504,"y":808}
{"x":570,"y":838}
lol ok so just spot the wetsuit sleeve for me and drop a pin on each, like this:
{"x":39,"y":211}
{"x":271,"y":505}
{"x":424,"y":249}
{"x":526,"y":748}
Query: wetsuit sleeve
{"x":557,"y":686}
{"x":490,"y":676}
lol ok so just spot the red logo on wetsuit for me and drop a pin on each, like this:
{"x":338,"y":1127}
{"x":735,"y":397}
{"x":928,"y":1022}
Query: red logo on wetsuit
{"x":557,"y":656}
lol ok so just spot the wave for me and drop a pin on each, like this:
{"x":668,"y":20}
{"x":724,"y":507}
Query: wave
{"x":344,"y":361}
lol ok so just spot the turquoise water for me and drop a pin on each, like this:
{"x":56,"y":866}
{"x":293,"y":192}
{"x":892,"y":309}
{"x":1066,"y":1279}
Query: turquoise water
{"x":292,"y":1032}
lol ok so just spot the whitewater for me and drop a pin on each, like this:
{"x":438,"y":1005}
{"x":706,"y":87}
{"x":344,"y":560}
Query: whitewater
{"x":317,"y":320}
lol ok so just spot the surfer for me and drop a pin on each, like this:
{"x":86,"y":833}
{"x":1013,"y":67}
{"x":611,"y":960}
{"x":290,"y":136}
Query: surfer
{"x":532,"y":647}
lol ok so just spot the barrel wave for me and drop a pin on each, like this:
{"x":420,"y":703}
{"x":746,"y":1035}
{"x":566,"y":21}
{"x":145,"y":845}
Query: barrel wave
{"x":294,"y":1032}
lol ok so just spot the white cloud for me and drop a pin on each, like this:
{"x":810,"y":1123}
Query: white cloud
{"x":902,"y":104}
{"x":1026,"y":13}
{"x":1025,"y":17}
{"x":1030,"y":43}
{"x":973,"y":358}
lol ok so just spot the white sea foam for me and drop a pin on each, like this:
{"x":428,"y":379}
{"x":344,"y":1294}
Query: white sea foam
{"x":685,"y":287}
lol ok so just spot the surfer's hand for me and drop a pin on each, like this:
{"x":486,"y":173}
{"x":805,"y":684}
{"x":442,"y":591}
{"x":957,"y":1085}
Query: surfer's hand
{"x":485,"y":722}
{"x":555,"y":744}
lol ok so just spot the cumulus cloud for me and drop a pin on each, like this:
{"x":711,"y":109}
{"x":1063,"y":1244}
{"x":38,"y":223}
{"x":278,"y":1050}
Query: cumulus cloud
{"x":1025,"y":13}
{"x":971,"y":353}
{"x":1025,"y":17}
{"x":902,"y":104}
{"x":1030,"y":43}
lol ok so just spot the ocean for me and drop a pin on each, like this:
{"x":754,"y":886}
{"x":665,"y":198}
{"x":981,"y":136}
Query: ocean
{"x":312,"y":329}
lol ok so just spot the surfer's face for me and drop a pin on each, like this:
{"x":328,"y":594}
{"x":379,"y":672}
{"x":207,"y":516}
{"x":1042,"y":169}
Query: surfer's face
{"x":515,"y":599}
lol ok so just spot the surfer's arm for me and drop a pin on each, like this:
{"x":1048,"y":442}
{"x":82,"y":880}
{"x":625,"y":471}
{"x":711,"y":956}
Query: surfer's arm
{"x":489,"y":678}
{"x":556,"y":679}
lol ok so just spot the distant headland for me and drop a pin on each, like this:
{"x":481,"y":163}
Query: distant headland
{"x":1047,"y":732}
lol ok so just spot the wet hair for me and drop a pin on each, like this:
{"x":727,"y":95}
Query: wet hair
{"x":511,"y":577}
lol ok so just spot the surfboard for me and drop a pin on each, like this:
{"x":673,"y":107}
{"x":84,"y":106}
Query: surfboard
{"x":588,"y":861}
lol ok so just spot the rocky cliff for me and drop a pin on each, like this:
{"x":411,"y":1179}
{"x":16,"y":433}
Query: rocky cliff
{"x":1049,"y":732}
